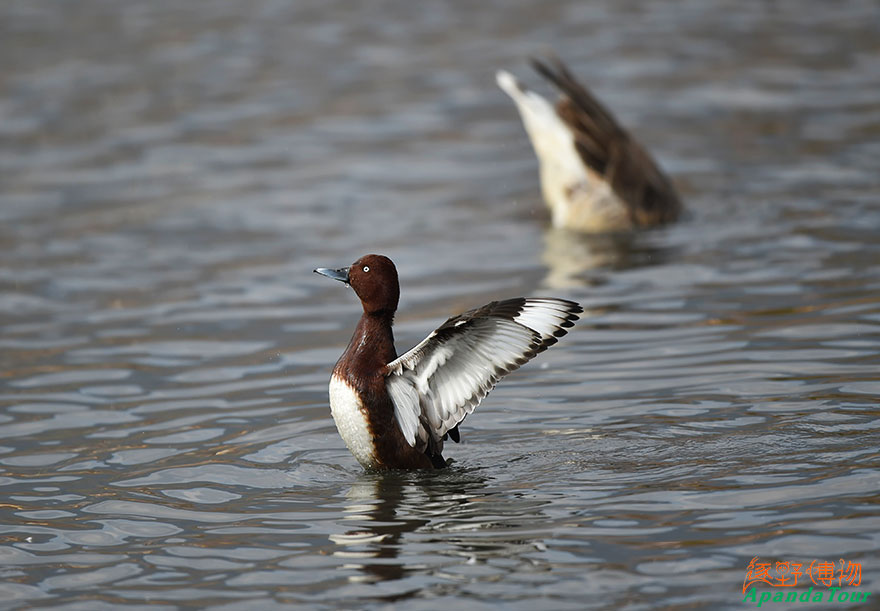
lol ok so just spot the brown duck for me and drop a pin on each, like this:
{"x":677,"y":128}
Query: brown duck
{"x":594,"y":175}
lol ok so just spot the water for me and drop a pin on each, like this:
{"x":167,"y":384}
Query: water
{"x":171,"y":173}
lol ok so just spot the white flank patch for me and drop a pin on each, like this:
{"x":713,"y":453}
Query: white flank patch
{"x":351,"y":421}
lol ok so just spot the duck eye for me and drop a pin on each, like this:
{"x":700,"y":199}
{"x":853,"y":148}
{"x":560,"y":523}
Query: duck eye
{"x":366,"y":268}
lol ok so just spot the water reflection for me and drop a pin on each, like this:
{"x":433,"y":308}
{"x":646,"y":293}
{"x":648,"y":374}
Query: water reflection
{"x":570,"y":255}
{"x":396,"y":523}
{"x":373,"y":505}
{"x":386,"y":507}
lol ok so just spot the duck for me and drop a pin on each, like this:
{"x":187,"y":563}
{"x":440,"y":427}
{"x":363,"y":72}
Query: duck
{"x":595,"y":176}
{"x":395,"y":412}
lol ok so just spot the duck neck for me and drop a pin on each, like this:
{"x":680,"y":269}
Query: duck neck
{"x":372,"y":344}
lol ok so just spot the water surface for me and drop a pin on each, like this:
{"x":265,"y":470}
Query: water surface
{"x":171,"y":173}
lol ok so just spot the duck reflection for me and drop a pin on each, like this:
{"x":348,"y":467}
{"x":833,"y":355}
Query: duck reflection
{"x":385,"y":507}
{"x":376,"y":526}
{"x":568,"y":254}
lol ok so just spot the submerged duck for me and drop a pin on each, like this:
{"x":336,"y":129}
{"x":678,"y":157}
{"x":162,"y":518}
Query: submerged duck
{"x":396,"y":412}
{"x":594,"y":175}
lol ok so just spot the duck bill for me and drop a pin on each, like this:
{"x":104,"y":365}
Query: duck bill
{"x":340,"y":274}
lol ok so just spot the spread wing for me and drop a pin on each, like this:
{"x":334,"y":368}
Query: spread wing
{"x":438,"y":383}
{"x":611,"y":151}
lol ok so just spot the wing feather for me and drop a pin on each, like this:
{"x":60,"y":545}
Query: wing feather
{"x":439,"y":382}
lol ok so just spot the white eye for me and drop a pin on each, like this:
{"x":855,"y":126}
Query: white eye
{"x":366,"y":268}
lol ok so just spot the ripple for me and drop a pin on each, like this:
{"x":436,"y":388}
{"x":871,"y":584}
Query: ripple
{"x":86,"y":579}
{"x":152,"y":510}
{"x":64,"y":378}
{"x":64,"y":422}
{"x":36,"y":460}
{"x":202,"y":495}
{"x":219,"y":474}
{"x":141,"y":456}
{"x":191,"y":348}
{"x":192,"y":436}
{"x":9,"y":556}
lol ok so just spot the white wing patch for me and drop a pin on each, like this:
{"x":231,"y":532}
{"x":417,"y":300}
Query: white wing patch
{"x":404,"y":395}
{"x":438,"y":383}
{"x":546,"y":316}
